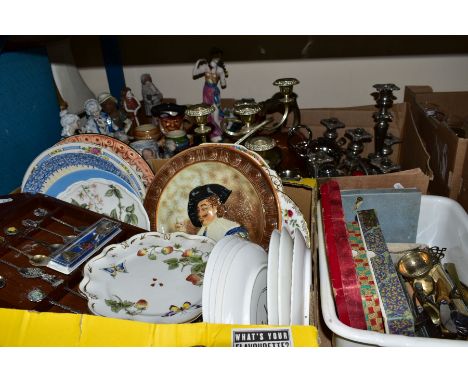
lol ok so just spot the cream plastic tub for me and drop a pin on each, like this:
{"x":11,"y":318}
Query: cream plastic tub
{"x":442,"y":222}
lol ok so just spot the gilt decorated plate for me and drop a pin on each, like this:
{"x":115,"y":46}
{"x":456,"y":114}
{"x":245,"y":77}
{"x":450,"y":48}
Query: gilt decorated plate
{"x":151,"y":277}
{"x":124,"y":151}
{"x":214,"y":191}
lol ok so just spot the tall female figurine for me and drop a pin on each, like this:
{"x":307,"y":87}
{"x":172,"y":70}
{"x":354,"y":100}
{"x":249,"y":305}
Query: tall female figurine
{"x":131,"y":105}
{"x":214,"y":72}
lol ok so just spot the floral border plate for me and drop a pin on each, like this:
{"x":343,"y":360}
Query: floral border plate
{"x":109,"y":198}
{"x":127,"y":153}
{"x":293,"y":218}
{"x":150,"y":277}
{"x":247,"y":193}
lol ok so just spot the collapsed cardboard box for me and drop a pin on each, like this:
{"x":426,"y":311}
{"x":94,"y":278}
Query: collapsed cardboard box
{"x":449,"y":159}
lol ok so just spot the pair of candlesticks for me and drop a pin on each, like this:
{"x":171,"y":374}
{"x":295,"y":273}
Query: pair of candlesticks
{"x":247,"y":112}
{"x":326,"y":156}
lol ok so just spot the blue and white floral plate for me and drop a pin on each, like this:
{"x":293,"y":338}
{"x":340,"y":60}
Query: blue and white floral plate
{"x":109,"y":198}
{"x":151,"y":277}
{"x":56,"y":161}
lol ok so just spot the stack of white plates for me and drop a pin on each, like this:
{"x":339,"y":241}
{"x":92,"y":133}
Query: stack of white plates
{"x":289,"y":279}
{"x":235,"y":283}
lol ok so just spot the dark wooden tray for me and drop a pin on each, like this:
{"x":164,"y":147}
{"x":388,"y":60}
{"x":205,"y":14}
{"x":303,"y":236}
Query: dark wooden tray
{"x":14,"y":293}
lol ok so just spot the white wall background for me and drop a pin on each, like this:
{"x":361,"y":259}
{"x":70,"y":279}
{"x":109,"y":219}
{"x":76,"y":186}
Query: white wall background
{"x":324,"y":82}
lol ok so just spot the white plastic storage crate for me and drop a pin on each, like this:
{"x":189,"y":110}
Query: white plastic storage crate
{"x":442,"y":222}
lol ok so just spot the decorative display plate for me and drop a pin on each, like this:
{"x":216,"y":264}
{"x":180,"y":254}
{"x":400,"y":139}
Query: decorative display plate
{"x":252,"y":202}
{"x":124,"y":151}
{"x":53,"y":188}
{"x":272,"y":278}
{"x":52,"y":162}
{"x":108,"y":198}
{"x":151,"y":277}
{"x":293,"y":218}
{"x":285,"y":278}
{"x":297,"y":283}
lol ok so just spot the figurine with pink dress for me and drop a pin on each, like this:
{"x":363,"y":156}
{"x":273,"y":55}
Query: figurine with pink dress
{"x":214,"y":72}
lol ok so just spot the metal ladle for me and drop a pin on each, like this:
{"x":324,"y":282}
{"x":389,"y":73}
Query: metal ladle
{"x":41,"y":212}
{"x":34,"y":224}
{"x":2,"y":281}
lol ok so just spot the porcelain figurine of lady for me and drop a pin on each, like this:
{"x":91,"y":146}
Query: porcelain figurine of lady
{"x":214,"y":72}
{"x":150,"y":93}
{"x":98,"y":122}
{"x":131,"y":105}
{"x":69,"y":123}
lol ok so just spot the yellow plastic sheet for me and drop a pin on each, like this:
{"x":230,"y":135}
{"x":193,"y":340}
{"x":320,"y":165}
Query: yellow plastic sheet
{"x":24,"y":328}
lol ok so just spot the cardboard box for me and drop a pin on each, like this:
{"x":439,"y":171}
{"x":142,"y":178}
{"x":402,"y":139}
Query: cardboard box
{"x":411,"y":154}
{"x":304,"y":194}
{"x":26,"y":328}
{"x":449,"y":159}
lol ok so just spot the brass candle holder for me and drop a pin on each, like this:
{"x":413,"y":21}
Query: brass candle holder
{"x":199,"y":114}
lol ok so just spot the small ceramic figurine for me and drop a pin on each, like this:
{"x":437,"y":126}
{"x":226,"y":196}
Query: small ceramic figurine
{"x":214,"y":72}
{"x":98,"y":122}
{"x":150,"y":93}
{"x":131,"y":105}
{"x":120,"y":122}
{"x":69,"y":123}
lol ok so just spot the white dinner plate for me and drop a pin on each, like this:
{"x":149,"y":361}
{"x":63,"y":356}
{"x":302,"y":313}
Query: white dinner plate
{"x":307,"y":285}
{"x":272,"y":278}
{"x":297,"y":282}
{"x":209,"y":284}
{"x":255,"y":310}
{"x":232,"y":249}
{"x":285,"y":277}
{"x":244,"y":294}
